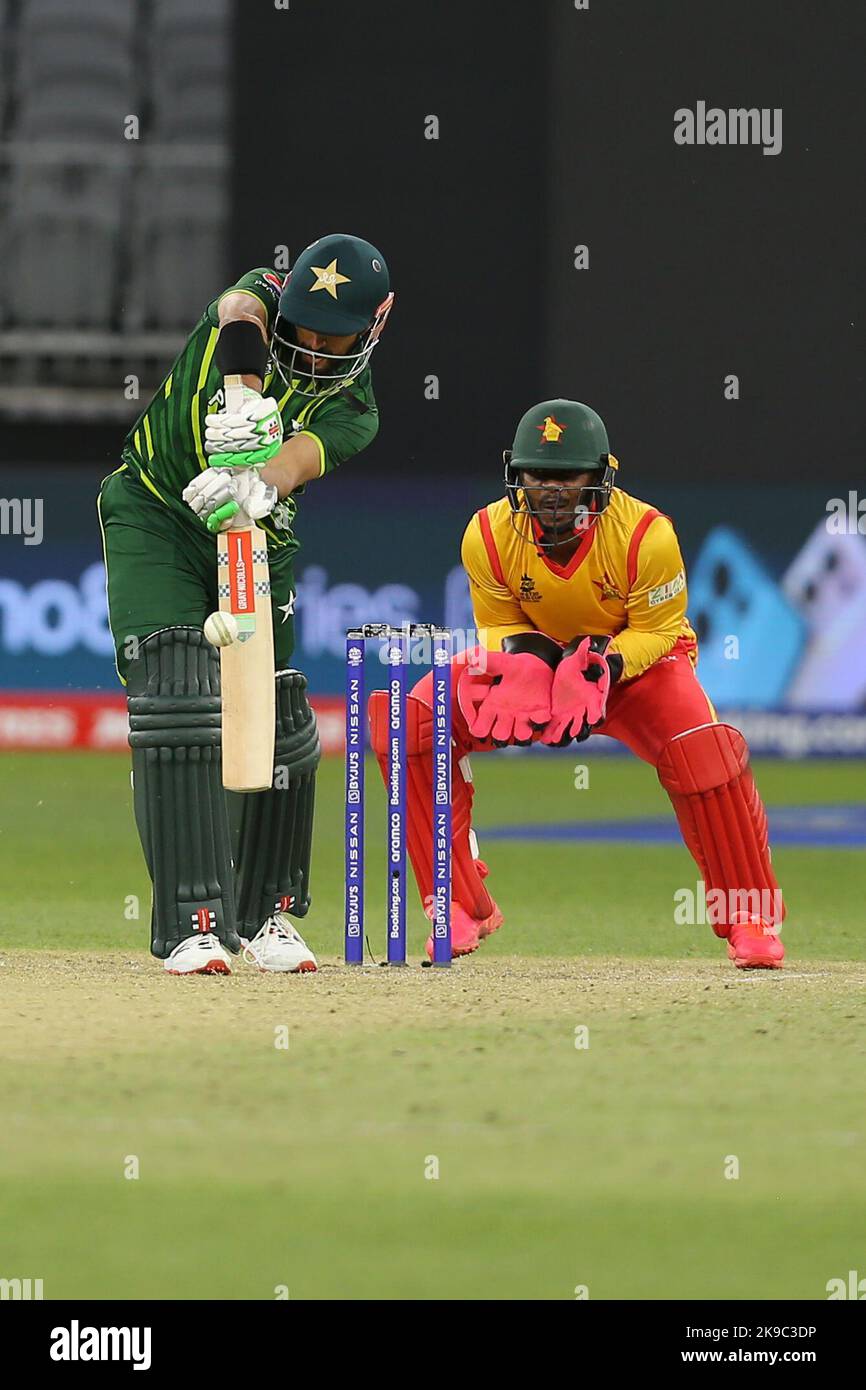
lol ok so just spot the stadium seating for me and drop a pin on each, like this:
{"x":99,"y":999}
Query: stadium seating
{"x":176,"y":258}
{"x":190,"y":71}
{"x":5,"y":64}
{"x":62,"y":249}
{"x":98,"y":232}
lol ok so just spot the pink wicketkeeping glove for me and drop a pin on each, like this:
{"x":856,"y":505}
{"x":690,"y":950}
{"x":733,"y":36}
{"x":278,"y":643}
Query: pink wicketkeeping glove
{"x":509,"y":700}
{"x":579,"y":696}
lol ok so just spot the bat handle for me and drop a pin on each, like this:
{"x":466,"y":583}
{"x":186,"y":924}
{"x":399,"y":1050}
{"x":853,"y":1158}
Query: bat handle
{"x":234,"y":392}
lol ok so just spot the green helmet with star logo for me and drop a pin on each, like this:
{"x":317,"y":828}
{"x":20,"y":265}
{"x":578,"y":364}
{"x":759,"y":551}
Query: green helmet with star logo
{"x":564,"y":435}
{"x":560,"y":437}
{"x":339,"y":285}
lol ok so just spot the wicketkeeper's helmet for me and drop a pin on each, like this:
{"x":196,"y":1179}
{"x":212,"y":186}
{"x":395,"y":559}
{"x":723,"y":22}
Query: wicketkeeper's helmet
{"x":565,"y":437}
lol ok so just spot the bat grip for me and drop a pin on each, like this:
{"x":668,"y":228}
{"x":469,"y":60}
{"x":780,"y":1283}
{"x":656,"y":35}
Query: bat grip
{"x":233,"y":387}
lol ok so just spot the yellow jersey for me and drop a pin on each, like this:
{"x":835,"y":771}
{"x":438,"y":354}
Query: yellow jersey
{"x":626,"y":580}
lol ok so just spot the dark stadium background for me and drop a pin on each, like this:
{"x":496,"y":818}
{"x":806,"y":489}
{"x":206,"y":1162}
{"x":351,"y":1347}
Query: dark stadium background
{"x":262,"y":127}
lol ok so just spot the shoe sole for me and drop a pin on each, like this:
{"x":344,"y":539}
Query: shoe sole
{"x":306,"y":967}
{"x":213,"y":967}
{"x":456,"y":952}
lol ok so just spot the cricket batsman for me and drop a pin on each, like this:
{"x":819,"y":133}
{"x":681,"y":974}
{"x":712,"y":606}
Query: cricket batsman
{"x":579,"y":597}
{"x":227,"y":869}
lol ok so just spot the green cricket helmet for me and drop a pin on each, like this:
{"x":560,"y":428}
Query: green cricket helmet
{"x":339,"y":284}
{"x":559,"y":437}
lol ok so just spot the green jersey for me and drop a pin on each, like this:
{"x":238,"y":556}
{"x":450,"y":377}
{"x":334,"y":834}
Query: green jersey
{"x":166,"y":444}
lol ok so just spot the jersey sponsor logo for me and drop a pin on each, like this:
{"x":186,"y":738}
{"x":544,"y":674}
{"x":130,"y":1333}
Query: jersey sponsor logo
{"x":663,"y":592}
{"x":551,"y":430}
{"x":272,"y":283}
{"x":528,"y":591}
{"x":607,"y":589}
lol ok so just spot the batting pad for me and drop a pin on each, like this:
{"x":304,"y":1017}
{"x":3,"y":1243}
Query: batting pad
{"x":706,"y":774}
{"x":173,"y":694}
{"x":467,"y":887}
{"x":276,"y":826}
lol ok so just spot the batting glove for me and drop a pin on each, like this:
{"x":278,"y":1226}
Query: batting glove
{"x":245,"y":437}
{"x":225,"y":500}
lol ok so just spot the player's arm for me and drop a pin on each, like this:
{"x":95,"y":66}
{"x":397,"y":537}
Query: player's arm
{"x":495,"y":608}
{"x":243,"y":345}
{"x":345,"y":425}
{"x":295,"y":464}
{"x":237,"y":307}
{"x":656,"y":602}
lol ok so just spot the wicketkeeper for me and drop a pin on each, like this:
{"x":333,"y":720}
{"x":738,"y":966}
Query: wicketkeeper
{"x":579,"y":597}
{"x":225,"y":876}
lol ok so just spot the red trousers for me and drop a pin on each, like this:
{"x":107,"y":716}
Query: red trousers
{"x":665,"y":718}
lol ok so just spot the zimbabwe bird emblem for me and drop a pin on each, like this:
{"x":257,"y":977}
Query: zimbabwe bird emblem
{"x":551,"y":431}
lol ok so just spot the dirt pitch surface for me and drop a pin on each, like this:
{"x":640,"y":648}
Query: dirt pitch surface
{"x":507,"y":1129}
{"x":95,"y":1000}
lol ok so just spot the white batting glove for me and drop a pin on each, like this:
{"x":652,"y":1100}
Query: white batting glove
{"x":256,"y":497}
{"x":225,"y":500}
{"x":255,"y":426}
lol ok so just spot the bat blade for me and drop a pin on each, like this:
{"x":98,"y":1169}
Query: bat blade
{"x":247,"y":665}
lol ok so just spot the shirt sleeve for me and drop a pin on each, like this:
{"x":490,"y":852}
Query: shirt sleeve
{"x":343,"y":429}
{"x":495,"y":609}
{"x":656,"y":602}
{"x":263,"y":284}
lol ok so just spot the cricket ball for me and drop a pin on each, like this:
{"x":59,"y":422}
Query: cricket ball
{"x":221,"y":629}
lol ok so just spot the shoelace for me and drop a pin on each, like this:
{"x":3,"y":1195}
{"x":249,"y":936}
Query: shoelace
{"x":206,"y":939}
{"x":256,"y":955}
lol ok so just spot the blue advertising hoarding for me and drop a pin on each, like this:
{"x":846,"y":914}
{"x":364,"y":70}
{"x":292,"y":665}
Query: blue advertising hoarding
{"x":778,"y":599}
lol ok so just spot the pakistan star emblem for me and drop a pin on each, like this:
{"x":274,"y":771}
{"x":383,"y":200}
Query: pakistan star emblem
{"x":329,"y":278}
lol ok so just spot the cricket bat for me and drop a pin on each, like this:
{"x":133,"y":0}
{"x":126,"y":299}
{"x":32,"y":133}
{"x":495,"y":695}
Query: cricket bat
{"x":247,"y":664}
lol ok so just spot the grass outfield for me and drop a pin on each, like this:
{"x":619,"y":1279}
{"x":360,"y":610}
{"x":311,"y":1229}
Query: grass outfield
{"x":559,"y":1166}
{"x":68,"y":849}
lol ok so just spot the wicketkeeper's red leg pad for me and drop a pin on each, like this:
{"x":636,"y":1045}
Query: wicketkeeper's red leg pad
{"x":706,"y":773}
{"x":467,"y":886}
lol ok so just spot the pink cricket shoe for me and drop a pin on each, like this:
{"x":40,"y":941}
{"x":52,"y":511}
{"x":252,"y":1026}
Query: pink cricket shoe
{"x":752,"y":945}
{"x":494,"y":921}
{"x":467,"y":932}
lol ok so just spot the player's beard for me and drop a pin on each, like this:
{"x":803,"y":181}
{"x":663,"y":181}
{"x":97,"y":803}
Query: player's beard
{"x":309,"y":365}
{"x":557,"y":522}
{"x":559,"y":530}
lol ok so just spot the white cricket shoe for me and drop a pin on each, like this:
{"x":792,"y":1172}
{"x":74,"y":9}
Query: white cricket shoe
{"x":202,"y":954}
{"x":280,"y":946}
